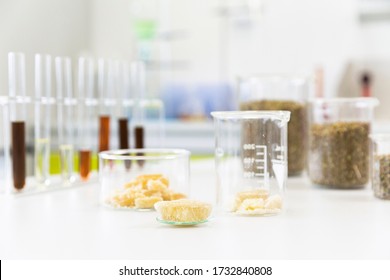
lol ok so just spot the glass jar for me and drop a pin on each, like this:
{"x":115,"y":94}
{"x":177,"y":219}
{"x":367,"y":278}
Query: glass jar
{"x":380,"y":165}
{"x":289,"y":93}
{"x":339,"y":131}
{"x":139,"y":178}
{"x":251,"y":161}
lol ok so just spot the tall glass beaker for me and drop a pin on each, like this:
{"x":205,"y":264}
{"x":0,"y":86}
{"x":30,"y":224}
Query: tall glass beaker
{"x":251,"y":161}
{"x":281,"y":92}
{"x":339,"y":130}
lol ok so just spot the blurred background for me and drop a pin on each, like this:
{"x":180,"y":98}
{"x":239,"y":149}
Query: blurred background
{"x":195,"y":50}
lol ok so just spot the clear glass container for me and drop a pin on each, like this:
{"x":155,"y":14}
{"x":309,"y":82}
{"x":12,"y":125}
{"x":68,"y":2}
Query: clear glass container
{"x":148,"y":116}
{"x":275,"y":92}
{"x":251,"y":161}
{"x":66,"y":120}
{"x":107,"y":86}
{"x":43,"y":108}
{"x":18,"y":118}
{"x":380,"y":165}
{"x":339,"y":131}
{"x":124,"y":102}
{"x":87,"y":110}
{"x":139,"y":178}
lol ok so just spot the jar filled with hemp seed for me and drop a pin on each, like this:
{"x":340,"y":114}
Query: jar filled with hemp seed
{"x":278,"y":92}
{"x":380,"y":165}
{"x":339,"y":145}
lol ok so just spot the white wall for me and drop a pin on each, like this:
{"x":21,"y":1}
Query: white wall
{"x":57,"y":27}
{"x":296,"y":36}
{"x":290,"y":36}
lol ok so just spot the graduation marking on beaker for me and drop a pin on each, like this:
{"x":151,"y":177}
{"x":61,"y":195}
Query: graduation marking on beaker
{"x":258,"y":161}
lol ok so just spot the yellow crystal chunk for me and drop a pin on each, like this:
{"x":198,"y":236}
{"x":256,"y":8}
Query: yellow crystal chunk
{"x":156,"y":185}
{"x":143,"y":191}
{"x":274,"y":202}
{"x":251,"y":204}
{"x":256,"y":193}
{"x":146,"y":202}
{"x":176,"y":196}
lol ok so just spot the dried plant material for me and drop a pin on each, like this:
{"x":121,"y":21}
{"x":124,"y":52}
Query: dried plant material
{"x":381,"y":176}
{"x":339,"y":154}
{"x":143,"y":192}
{"x":183,"y":210}
{"x":297,"y":129}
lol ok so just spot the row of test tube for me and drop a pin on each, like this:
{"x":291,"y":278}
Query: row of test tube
{"x":109,"y":96}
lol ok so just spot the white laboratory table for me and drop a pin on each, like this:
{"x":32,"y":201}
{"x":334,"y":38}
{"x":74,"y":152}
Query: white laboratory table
{"x":318,"y":224}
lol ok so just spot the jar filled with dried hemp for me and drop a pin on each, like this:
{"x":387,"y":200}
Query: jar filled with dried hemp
{"x":339,"y":149}
{"x":380,"y":165}
{"x":287,"y":93}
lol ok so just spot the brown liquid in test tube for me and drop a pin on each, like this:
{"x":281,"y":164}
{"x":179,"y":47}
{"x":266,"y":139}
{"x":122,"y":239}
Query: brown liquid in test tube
{"x":104,"y":133}
{"x":85,"y":164}
{"x":18,"y":154}
{"x":139,"y":141}
{"x":123,"y":133}
{"x":124,"y":137}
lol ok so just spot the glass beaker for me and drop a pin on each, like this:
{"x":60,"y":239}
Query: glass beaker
{"x":275,"y":92}
{"x":339,"y":131}
{"x":251,"y":161}
{"x":155,"y":175}
{"x":380,"y":165}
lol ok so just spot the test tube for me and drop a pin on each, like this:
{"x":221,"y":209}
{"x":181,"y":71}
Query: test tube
{"x":138,"y":81}
{"x":106,"y":83}
{"x":65,"y":115}
{"x":43,"y":103}
{"x":87,"y":103}
{"x":17,"y":94}
{"x":124,"y":103}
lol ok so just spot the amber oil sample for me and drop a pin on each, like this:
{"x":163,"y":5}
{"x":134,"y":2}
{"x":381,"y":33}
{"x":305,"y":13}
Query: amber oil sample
{"x":18,"y":137}
{"x":139,"y":141}
{"x":124,"y":137}
{"x":123,"y":133}
{"x":85,"y":164}
{"x":104,"y":133}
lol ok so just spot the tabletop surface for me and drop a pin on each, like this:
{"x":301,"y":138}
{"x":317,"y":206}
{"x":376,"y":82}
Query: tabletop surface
{"x":318,"y":223}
